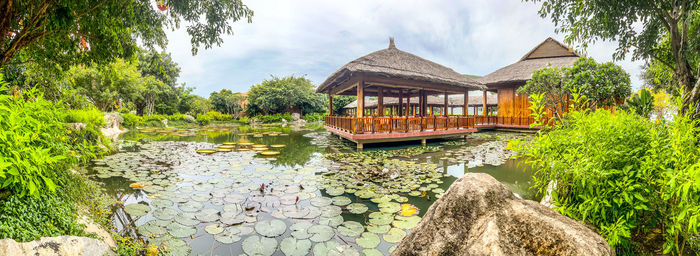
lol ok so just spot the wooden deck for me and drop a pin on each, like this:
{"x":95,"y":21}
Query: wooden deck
{"x":375,"y":129}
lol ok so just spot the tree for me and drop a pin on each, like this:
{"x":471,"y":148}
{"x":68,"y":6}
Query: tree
{"x":661,"y":31}
{"x":602,"y":84}
{"x":227,"y":102}
{"x":340,"y":101}
{"x":285,"y":95}
{"x":107,"y":86}
{"x":159,"y":65}
{"x":199,"y":105}
{"x":70,"y":31}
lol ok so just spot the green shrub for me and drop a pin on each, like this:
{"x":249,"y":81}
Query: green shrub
{"x":244,"y":120}
{"x":314,"y":117}
{"x":29,"y":218}
{"x":88,"y":116}
{"x":131,"y":120}
{"x":206,"y":118}
{"x":624,"y":174}
{"x":276,"y":118}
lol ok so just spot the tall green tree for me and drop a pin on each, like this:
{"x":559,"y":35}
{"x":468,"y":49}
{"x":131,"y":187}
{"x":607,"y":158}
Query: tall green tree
{"x":285,"y":95}
{"x":662,"y":31}
{"x":70,"y":31}
{"x":227,"y":102}
{"x":601,"y":83}
{"x":107,"y":86}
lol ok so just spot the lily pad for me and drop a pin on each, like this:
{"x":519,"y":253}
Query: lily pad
{"x":137,"y":210}
{"x":164,"y":213}
{"x":213,"y":229}
{"x":378,"y":229}
{"x":190,"y":206}
{"x":394,"y":235}
{"x":330,"y":211}
{"x":257,"y":245}
{"x":372,"y":252}
{"x":332,"y":221}
{"x":321,"y":201}
{"x":368,"y":240}
{"x":357,"y":208}
{"x":271,"y":228}
{"x":229,"y":235}
{"x":161,"y":203}
{"x":299,"y":230}
{"x":208,"y":215}
{"x":178,"y":230}
{"x":406,"y":222}
{"x":341,"y":200}
{"x":294,"y":247}
{"x":320,"y":233}
{"x":351,"y":229}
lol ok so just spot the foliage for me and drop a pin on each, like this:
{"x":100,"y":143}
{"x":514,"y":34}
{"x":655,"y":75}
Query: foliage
{"x":641,"y":103}
{"x":314,"y":117}
{"x":127,"y":246}
{"x":199,"y":105}
{"x":106,"y":86}
{"x":29,"y":218}
{"x":537,"y":111}
{"x":284,"y":95}
{"x":661,"y":32}
{"x":227,"y":102}
{"x":340,"y":101}
{"x":601,"y":83}
{"x":206,"y":118}
{"x":244,"y":120}
{"x":67,"y":31}
{"x":276,"y":118}
{"x":623,"y":174}
{"x":662,"y":104}
{"x":131,"y":120}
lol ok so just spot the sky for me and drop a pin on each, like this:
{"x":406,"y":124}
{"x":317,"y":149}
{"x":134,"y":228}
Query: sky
{"x":314,"y":38}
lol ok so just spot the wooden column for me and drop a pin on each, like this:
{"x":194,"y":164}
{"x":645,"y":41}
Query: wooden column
{"x":484,"y":105}
{"x":400,"y":102}
{"x":447,"y":104}
{"x":466,"y":103}
{"x":408,"y":104}
{"x":360,"y":98}
{"x":380,"y":101}
{"x":330,"y":104}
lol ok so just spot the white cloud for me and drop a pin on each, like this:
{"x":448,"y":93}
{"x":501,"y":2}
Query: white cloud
{"x":316,"y":37}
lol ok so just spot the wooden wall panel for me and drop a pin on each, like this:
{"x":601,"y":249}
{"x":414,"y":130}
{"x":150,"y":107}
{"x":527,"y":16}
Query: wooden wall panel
{"x":505,"y":101}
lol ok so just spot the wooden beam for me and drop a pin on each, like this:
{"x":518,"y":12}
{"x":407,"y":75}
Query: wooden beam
{"x":484,"y":104}
{"x":447,"y":103}
{"x":408,"y":106}
{"x":400,"y":109}
{"x":360,"y":98}
{"x":380,"y":101}
{"x":330,"y":104}
{"x":465,"y":109}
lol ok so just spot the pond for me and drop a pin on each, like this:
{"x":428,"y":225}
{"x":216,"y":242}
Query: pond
{"x":317,"y":196}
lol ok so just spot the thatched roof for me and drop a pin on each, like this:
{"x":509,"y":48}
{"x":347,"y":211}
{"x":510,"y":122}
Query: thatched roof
{"x":394,"y":63}
{"x":550,"y":52}
{"x":454,"y":101}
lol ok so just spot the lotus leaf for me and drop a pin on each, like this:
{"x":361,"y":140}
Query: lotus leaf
{"x":341,"y":200}
{"x":332,"y":221}
{"x":365,"y":194}
{"x":294,"y":247}
{"x":299,"y":230}
{"x":381,"y":218}
{"x":394,"y":235}
{"x":137,"y":209}
{"x":378,"y":229}
{"x":208,"y":215}
{"x":277,"y":146}
{"x":178,"y":230}
{"x":372,"y":252}
{"x":271,"y":228}
{"x":389,"y":207}
{"x":295,"y":211}
{"x":234,"y":198}
{"x":269,"y":153}
{"x":164,"y":213}
{"x":229,"y":235}
{"x":368,"y":240}
{"x":335,"y":191}
{"x":351,"y":229}
{"x":357,"y":208}
{"x":186,"y":220}
{"x":190,"y":206}
{"x":382,"y":199}
{"x":213,"y":229}
{"x":321,"y":201}
{"x":152,"y":229}
{"x":330,"y":211}
{"x":406,"y":222}
{"x":320,"y":233}
{"x":257,"y":245}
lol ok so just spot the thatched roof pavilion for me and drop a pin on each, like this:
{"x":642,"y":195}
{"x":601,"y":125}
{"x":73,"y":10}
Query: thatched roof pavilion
{"x":453,"y":101}
{"x":550,"y":52}
{"x":508,"y":79}
{"x":394,"y":74}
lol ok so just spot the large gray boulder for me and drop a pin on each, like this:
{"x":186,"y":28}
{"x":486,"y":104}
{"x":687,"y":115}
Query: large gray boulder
{"x":479,"y":216}
{"x":56,"y":246}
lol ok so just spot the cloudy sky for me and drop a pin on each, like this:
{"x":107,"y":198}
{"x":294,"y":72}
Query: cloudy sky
{"x":314,"y":38}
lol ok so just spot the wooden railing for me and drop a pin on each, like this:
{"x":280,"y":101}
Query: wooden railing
{"x":389,"y":124}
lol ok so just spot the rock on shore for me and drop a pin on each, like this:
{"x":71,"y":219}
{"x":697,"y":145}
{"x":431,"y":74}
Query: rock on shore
{"x":61,"y":245}
{"x":480,"y":216}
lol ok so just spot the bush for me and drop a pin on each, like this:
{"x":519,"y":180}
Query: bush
{"x":314,"y":117}
{"x":206,"y":118}
{"x":88,"y":116}
{"x":244,"y":120}
{"x":29,"y":218}
{"x":131,"y":120}
{"x":276,"y":118}
{"x":624,"y":174}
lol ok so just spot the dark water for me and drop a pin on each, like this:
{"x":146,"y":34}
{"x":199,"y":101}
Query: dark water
{"x":306,"y":148}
